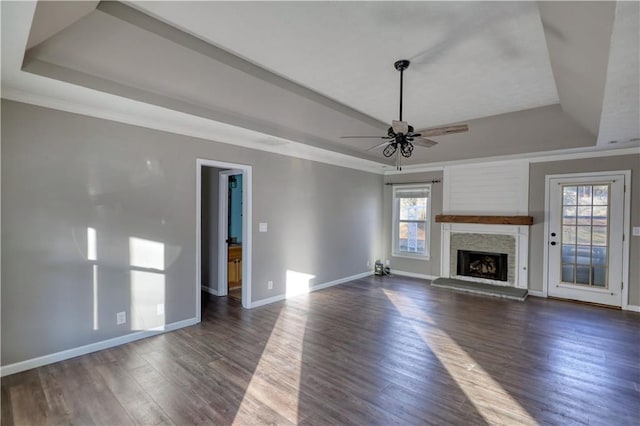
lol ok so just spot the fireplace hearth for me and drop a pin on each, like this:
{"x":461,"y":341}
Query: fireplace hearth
{"x":485,"y":265}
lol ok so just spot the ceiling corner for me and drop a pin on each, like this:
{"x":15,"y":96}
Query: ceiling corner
{"x":52,"y":17}
{"x":578,"y":36}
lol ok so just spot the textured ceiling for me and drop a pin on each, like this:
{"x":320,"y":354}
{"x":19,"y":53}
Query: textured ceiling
{"x":470,"y":59}
{"x":292,"y":77}
{"x":620,"y":120}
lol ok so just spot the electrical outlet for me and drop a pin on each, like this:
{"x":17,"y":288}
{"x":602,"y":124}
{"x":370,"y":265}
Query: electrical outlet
{"x":269,"y":285}
{"x":160,"y":309}
{"x":121,"y":318}
{"x":388,"y":262}
{"x":368,"y":263}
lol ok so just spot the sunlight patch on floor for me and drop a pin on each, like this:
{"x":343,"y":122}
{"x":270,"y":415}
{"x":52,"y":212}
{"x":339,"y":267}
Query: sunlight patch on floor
{"x":286,"y":336}
{"x":474,"y":381}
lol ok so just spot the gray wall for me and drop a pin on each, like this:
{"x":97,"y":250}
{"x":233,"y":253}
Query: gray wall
{"x":322,"y":220}
{"x":537,"y":173}
{"x":62,"y":173}
{"x":426,"y":267}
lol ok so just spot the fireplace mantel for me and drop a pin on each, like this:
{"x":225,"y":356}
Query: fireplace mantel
{"x":487,"y":220}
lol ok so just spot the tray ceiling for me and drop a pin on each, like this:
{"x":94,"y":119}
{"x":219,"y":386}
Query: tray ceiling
{"x":470,"y":60}
{"x":528,"y":77}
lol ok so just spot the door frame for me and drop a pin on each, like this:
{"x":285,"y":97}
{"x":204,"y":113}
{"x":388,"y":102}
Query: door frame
{"x":626,"y":212}
{"x":247,"y":184}
{"x":223,"y":228}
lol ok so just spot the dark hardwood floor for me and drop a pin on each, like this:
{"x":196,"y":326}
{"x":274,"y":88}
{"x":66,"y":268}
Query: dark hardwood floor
{"x":384,"y":351}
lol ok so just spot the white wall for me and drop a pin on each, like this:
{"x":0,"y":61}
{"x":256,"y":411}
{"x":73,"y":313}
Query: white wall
{"x":499,"y":188}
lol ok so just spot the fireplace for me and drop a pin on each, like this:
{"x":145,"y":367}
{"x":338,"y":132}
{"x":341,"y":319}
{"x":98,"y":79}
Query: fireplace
{"x":481,"y":264}
{"x":493,"y":239}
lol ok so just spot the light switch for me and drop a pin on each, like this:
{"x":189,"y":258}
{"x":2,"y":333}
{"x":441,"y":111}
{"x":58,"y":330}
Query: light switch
{"x":636,"y":231}
{"x":263,"y":227}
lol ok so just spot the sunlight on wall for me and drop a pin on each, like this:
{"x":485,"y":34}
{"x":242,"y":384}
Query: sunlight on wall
{"x":92,"y":244}
{"x":147,"y":284}
{"x":95,"y":297}
{"x":288,"y":331}
{"x":147,"y":300}
{"x":297,"y":283}
{"x":474,"y":381}
{"x":146,"y":253}
{"x":92,"y":254}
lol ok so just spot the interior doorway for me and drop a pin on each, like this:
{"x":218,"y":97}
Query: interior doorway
{"x":214,"y":237}
{"x":230,"y":231}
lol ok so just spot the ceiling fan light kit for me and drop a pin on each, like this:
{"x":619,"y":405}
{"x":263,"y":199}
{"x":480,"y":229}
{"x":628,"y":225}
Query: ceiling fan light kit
{"x":400,"y":137}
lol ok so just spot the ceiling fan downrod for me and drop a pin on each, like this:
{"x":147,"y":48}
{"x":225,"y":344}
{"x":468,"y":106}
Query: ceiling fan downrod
{"x":401,"y":65}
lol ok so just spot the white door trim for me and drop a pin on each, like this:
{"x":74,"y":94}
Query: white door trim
{"x":247,"y":183}
{"x":625,"y":226}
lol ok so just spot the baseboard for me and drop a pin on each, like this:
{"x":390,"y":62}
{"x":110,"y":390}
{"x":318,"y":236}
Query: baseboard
{"x":632,"y":308}
{"x":316,"y":287}
{"x":267,"y":301}
{"x":17,"y":367}
{"x":340,"y":281}
{"x":209,"y":290}
{"x":536,"y":293}
{"x":413,"y":275}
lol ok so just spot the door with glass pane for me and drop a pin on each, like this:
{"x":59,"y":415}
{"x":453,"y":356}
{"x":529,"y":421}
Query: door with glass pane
{"x":585,"y":238}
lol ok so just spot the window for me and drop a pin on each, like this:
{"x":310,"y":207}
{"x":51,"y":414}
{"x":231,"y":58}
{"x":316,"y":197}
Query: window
{"x":411,"y":219}
{"x":585,"y":230}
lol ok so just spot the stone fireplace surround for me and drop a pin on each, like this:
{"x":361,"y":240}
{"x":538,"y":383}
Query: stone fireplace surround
{"x":510,"y":239}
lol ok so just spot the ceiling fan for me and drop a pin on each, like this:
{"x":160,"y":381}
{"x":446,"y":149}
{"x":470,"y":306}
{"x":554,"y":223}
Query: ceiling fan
{"x":401,"y":137}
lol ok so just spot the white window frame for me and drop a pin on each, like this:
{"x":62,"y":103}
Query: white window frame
{"x":395,"y":252}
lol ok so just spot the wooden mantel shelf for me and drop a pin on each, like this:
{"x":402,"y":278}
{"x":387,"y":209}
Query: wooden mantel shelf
{"x":487,"y":220}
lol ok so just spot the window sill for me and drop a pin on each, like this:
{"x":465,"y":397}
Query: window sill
{"x":411,"y":256}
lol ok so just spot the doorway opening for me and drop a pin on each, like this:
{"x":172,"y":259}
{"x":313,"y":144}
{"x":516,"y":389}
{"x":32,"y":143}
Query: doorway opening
{"x":230,"y":231}
{"x":223,"y":230}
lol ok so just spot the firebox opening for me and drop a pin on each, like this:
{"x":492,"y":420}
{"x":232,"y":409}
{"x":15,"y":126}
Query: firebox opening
{"x":479,"y":264}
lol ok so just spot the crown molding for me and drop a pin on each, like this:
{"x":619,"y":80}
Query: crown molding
{"x":531,"y":157}
{"x":124,"y":110}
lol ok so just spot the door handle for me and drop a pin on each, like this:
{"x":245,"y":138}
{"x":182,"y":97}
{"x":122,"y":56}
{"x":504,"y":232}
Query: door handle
{"x":553,"y":234}
{"x":553,"y":243}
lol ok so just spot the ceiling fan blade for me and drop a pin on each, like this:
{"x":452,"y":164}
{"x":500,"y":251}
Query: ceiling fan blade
{"x":378,"y":146}
{"x":446,"y":130}
{"x":365,"y":137}
{"x":427,"y":143}
{"x":400,"y":126}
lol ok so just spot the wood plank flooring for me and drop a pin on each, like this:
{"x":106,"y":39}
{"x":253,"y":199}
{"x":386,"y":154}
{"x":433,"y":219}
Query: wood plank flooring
{"x":380,"y":350}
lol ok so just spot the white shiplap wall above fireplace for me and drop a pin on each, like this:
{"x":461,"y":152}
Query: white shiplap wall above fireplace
{"x":500,"y":188}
